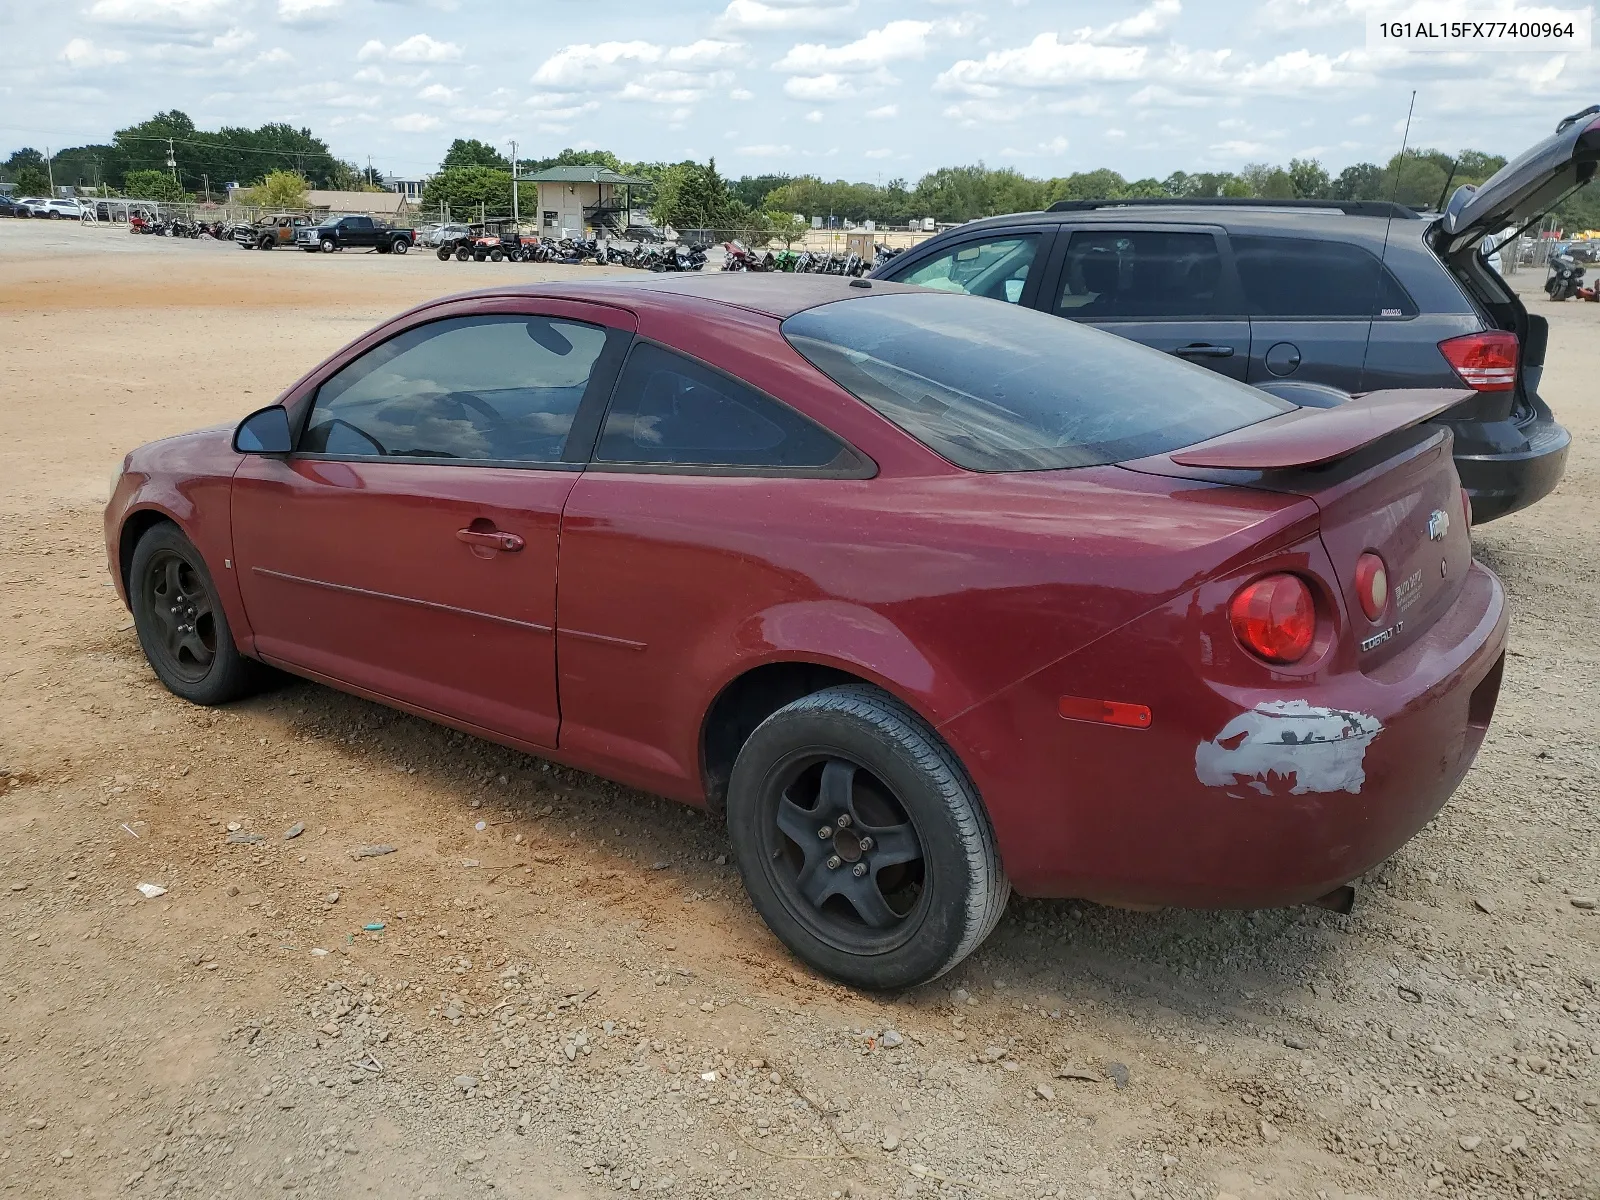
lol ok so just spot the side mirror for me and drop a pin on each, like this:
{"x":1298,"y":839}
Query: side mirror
{"x":265,"y":431}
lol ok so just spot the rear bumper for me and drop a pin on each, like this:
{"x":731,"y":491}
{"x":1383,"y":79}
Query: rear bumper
{"x":1501,"y":483}
{"x":1147,"y":817}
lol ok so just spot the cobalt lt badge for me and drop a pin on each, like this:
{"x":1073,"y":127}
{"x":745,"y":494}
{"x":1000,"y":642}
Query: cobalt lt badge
{"x":1438,"y":524}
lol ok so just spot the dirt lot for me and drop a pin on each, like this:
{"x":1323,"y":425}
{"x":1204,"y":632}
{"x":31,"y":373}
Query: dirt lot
{"x":570,"y":995}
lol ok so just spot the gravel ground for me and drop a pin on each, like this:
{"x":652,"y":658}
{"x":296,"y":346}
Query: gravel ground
{"x":556,"y":987}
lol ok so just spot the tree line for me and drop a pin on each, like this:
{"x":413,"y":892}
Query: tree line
{"x":134,"y":162}
{"x":476,"y":176}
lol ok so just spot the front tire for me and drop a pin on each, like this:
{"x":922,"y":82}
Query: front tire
{"x":181,"y":625}
{"x":861,"y":840}
{"x":328,"y":246}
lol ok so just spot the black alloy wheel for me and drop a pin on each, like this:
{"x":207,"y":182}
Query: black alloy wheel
{"x":180,"y":600}
{"x":844,"y":851}
{"x":181,"y":624}
{"x":861,"y":839}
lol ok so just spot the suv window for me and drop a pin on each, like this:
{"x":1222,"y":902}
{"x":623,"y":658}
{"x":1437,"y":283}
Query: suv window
{"x":995,"y":388}
{"x":669,"y":410}
{"x":1112,"y":274}
{"x":1301,"y":277}
{"x":997,"y":269}
{"x":498,"y":388}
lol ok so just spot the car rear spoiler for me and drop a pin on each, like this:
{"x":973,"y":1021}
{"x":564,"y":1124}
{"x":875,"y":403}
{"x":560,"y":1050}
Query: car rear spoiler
{"x":1308,"y":437}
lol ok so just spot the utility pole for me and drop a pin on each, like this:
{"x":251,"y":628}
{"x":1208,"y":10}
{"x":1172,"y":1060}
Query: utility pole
{"x":50,"y":169}
{"x":369,"y":170}
{"x":516,"y":215}
{"x":172,"y":160}
{"x":206,"y":180}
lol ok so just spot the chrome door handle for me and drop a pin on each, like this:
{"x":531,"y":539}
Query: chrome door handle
{"x":1204,"y":350}
{"x":509,"y":542}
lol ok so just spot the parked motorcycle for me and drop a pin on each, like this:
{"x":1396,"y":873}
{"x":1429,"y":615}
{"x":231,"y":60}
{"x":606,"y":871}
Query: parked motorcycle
{"x":1565,"y":281}
{"x":736,"y":256}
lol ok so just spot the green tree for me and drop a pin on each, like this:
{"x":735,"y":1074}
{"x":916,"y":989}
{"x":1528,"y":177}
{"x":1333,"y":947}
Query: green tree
{"x":1267,"y":182}
{"x":30,"y":180}
{"x":470,"y":152}
{"x":154,"y":185}
{"x":1309,"y":179}
{"x":573,"y":158}
{"x":25,"y":157}
{"x":1362,"y":181}
{"x":1415,"y":179}
{"x":465,"y":188}
{"x":753,"y":190}
{"x":692,"y":196}
{"x":282,"y":190}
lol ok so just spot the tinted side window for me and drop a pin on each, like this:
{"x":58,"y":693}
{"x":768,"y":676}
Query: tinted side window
{"x":1110,"y":274}
{"x":495,"y":387}
{"x":997,"y":269}
{"x":1298,"y":277}
{"x":668,"y":409}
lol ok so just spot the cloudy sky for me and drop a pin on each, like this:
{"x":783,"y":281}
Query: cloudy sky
{"x":858,"y":89}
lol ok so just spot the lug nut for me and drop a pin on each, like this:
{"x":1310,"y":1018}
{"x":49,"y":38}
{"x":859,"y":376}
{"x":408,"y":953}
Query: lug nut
{"x":859,"y":870}
{"x":825,"y":832}
{"x":833,"y":862}
{"x":844,"y":821}
{"x":867,"y":843}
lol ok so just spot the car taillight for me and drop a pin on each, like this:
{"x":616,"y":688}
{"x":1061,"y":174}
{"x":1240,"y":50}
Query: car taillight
{"x":1274,"y":618}
{"x":1372,"y":585}
{"x":1486,"y":362}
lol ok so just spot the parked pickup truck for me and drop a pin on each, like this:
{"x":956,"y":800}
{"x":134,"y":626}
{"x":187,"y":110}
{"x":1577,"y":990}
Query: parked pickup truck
{"x":336,"y":233}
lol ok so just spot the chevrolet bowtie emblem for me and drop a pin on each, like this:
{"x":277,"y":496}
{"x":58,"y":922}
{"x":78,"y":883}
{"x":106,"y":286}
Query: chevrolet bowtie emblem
{"x":1438,"y":524}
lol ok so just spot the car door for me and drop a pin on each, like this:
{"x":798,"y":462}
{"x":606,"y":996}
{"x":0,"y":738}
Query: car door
{"x":407,"y":547}
{"x":1311,"y":304}
{"x":1168,"y":286}
{"x":1000,"y":264}
{"x":656,"y":576}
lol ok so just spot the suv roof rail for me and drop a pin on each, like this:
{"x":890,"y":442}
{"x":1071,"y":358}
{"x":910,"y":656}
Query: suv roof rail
{"x":1350,"y":208}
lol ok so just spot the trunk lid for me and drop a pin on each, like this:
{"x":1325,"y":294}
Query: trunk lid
{"x":1526,"y":187}
{"x":1383,"y":482}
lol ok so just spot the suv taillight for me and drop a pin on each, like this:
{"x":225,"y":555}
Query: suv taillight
{"x":1486,"y":362}
{"x":1274,"y":618}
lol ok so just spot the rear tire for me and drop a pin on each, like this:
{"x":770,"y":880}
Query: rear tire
{"x":182,"y":627}
{"x":400,"y":246}
{"x":907,"y":881}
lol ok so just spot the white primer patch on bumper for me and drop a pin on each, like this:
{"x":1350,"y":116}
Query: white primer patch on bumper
{"x":1289,"y":747}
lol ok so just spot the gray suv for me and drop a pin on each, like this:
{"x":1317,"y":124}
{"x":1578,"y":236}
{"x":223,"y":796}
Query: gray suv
{"x":1311,"y":300}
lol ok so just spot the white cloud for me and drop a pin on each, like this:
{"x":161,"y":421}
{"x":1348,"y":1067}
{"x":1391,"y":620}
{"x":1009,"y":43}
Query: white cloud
{"x":274,"y":57}
{"x":1045,"y":62}
{"x":879,"y":154}
{"x":766,"y":150}
{"x":1053,"y":148}
{"x":1145,"y":23}
{"x":758,"y":16}
{"x":1299,"y":70}
{"x":584,"y":67}
{"x":876,"y":48}
{"x":814,"y":116}
{"x":1239,"y":149}
{"x":818,"y":87}
{"x":179,"y":14}
{"x":416,"y":123}
{"x":418,"y":48}
{"x":307,"y":11}
{"x":485,"y":116}
{"x":438,"y":93}
{"x":883,"y":112}
{"x":81,"y":52}
{"x":741,"y":94}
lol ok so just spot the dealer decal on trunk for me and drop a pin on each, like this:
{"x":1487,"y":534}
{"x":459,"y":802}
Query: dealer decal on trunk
{"x":1288,"y":748}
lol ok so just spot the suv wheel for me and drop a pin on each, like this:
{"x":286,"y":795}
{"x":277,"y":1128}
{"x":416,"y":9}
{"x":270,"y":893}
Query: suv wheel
{"x":328,"y":246}
{"x":181,"y":625}
{"x":862,"y":842}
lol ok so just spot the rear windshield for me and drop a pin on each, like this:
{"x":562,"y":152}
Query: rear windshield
{"x":994,"y":387}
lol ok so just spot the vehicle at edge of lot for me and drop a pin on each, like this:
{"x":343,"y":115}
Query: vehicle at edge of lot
{"x":11,"y":208}
{"x":53,"y":208}
{"x":269,"y":233}
{"x":340,"y":233}
{"x":1347,"y":296}
{"x":915,"y":638}
{"x":437,"y":235}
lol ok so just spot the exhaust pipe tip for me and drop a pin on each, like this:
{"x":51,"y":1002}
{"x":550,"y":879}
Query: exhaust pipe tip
{"x":1340,"y":900}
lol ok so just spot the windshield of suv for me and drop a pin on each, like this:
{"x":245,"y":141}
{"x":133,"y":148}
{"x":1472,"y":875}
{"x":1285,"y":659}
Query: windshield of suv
{"x":993,"y":387}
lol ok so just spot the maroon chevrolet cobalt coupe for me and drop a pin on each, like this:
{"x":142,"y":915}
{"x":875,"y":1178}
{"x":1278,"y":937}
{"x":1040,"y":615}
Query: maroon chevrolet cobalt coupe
{"x":926,"y":596}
